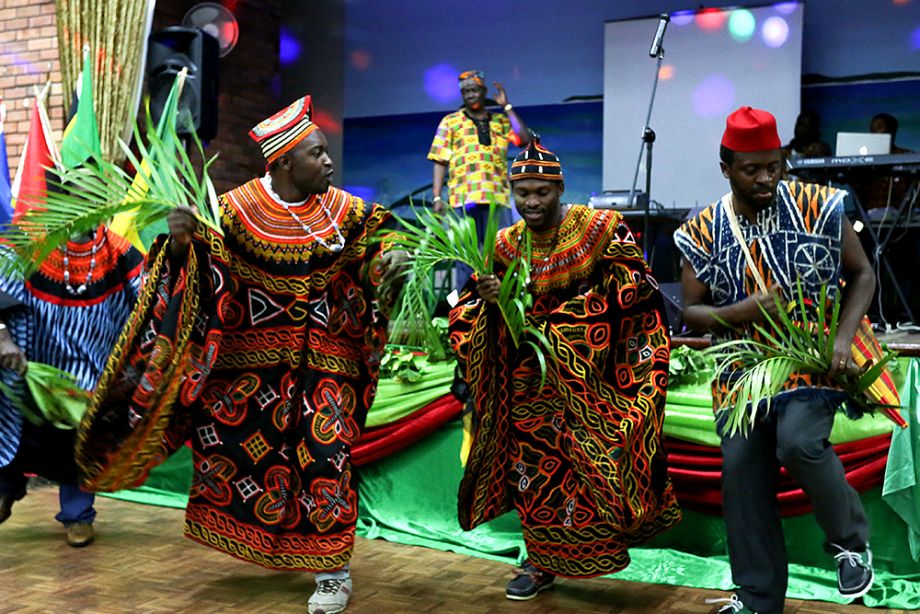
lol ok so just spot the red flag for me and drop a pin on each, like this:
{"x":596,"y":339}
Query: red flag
{"x":30,"y":186}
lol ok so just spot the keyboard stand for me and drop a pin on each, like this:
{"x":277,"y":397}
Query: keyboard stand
{"x":879,"y":258}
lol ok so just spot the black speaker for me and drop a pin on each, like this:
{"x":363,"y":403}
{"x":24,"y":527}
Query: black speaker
{"x":169,"y":51}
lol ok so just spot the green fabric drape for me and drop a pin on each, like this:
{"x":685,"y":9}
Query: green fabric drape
{"x":901,"y":489}
{"x":397,"y":400}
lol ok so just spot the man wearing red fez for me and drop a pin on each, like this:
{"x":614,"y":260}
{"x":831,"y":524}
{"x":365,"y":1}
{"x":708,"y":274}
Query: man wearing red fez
{"x":261,"y":346}
{"x":758,"y":242}
{"x":470,"y":150}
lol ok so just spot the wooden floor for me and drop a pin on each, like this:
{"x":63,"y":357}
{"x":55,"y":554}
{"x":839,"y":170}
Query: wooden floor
{"x":140,"y":563}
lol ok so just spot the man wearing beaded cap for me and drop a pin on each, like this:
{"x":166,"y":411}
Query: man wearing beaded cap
{"x":262,"y":346}
{"x":581,"y":460}
{"x":67,"y":314}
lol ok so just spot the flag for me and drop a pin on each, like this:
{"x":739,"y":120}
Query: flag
{"x":81,"y":136}
{"x":123,"y":223}
{"x":30,"y":186}
{"x":6,"y":204}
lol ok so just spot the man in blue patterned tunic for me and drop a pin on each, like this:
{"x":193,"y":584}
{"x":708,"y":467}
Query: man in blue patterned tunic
{"x":793,"y":233}
{"x":68,"y":314}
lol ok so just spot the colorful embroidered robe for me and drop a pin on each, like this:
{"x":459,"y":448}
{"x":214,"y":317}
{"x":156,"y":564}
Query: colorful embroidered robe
{"x":582,"y":459}
{"x":71,"y":330}
{"x":263,"y":350}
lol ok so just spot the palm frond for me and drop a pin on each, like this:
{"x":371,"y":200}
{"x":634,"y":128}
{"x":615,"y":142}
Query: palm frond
{"x":448,"y":237}
{"x":82,"y":198}
{"x":758,"y":368}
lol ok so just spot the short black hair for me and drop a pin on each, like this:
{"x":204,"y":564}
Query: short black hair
{"x":726,"y":155}
{"x":890,"y":121}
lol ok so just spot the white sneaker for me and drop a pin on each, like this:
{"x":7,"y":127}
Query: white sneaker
{"x":330,"y":596}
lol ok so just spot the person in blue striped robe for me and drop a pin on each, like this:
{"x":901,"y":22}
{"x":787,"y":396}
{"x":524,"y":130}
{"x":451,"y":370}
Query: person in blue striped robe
{"x":68,"y":314}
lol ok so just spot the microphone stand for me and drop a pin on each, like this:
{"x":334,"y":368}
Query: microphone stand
{"x":648,"y":139}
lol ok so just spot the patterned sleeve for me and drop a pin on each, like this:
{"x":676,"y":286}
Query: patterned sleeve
{"x":440,"y":147}
{"x":694,"y":240}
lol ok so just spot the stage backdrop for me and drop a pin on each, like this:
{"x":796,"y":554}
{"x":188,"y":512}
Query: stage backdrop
{"x":715,"y":61}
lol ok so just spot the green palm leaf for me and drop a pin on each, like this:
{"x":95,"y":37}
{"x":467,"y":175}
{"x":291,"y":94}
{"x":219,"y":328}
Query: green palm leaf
{"x":82,"y":198}
{"x":758,"y":368}
{"x":448,"y":237}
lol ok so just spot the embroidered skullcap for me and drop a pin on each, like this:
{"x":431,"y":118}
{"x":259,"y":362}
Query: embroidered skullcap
{"x":536,"y":162}
{"x":749,"y":130}
{"x":477,"y":76}
{"x":282,"y":131}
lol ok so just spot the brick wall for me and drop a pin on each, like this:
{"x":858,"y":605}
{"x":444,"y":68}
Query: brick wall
{"x":28,"y":53}
{"x":249,"y":81}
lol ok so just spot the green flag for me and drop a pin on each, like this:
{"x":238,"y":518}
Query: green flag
{"x":81,"y":136}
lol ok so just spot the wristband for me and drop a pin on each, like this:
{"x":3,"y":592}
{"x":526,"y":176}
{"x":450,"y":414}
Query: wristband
{"x":507,"y":107}
{"x":436,"y":199}
{"x":2,"y":326}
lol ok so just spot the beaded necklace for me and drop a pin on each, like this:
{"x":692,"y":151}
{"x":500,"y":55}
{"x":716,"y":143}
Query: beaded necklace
{"x":89,"y":276}
{"x":534,"y":271}
{"x":339,"y":239}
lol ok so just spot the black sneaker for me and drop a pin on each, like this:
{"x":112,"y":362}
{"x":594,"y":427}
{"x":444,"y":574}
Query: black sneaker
{"x":854,"y":571}
{"x":527,"y":583}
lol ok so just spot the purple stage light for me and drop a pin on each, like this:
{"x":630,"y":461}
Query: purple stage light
{"x":714,"y":97}
{"x":775,"y":32}
{"x":786,"y":8}
{"x":915,"y":39}
{"x":682,"y":18}
{"x":441,"y":83}
{"x":288,"y":47}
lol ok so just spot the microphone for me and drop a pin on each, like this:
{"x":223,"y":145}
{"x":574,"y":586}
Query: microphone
{"x":663,"y":20}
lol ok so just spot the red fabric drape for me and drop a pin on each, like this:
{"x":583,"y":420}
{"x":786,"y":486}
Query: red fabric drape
{"x":382,"y":441}
{"x":696,"y":471}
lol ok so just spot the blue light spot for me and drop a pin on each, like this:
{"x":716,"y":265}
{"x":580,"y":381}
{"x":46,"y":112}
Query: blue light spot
{"x":441,"y":83}
{"x":786,"y":8}
{"x":915,"y":39}
{"x":682,"y":18}
{"x":361,"y":191}
{"x":289,"y":47}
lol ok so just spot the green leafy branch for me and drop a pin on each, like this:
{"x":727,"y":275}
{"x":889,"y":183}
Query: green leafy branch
{"x":55,"y":397}
{"x":792,"y":341}
{"x":448,"y":237}
{"x":86,"y":196}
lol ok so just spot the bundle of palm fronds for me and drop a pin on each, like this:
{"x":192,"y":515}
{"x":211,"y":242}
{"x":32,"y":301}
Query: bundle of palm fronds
{"x":53,"y":397}
{"x":80,"y":199}
{"x":448,"y":237}
{"x":800,"y":339}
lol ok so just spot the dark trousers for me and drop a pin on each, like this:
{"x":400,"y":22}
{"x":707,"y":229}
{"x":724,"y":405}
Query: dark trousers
{"x":794,"y":435}
{"x":49,"y":452}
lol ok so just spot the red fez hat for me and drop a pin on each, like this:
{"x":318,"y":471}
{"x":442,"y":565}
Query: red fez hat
{"x":749,"y":129}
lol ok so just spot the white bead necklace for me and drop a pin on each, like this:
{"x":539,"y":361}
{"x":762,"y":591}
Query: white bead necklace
{"x":89,"y":276}
{"x":339,"y":238}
